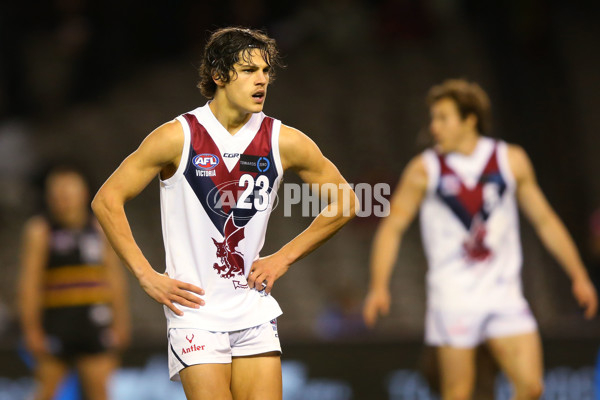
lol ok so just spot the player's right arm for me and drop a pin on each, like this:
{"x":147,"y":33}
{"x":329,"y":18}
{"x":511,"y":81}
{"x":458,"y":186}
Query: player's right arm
{"x":160,"y":152}
{"x":405,"y":203}
{"x":34,"y":256}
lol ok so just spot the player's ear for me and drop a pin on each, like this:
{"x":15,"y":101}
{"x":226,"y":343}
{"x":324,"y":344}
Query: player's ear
{"x":217,"y":80}
{"x":471,"y":121}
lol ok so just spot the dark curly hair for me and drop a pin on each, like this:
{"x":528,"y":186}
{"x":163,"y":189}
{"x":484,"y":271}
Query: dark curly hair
{"x":469,"y":97}
{"x":226,"y":47}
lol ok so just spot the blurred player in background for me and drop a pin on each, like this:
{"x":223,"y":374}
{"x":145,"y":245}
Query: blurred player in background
{"x":220,"y":166}
{"x":72,"y":296}
{"x":467,"y":188}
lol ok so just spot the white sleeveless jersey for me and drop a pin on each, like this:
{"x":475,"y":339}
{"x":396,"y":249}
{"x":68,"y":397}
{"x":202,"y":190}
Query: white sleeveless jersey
{"x":214,"y":214}
{"x":470,"y":230}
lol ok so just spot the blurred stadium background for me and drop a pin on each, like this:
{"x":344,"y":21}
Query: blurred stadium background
{"x":87,"y":80}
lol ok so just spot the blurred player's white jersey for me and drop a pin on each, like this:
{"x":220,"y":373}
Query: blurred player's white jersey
{"x":470,"y":230}
{"x":214,"y":213}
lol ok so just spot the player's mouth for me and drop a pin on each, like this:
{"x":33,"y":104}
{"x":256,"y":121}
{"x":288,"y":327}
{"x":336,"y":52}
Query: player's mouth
{"x":259,"y":96}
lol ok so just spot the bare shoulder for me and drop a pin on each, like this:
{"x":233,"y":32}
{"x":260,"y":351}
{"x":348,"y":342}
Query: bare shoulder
{"x":165,"y":144}
{"x":171,"y":130}
{"x":287,"y":133}
{"x":417,"y":165}
{"x":292,"y":139}
{"x":36,"y":228}
{"x":519,"y":162}
{"x":516,"y":153}
{"x":296,"y":148}
{"x":168,"y":135}
{"x":415,"y":173}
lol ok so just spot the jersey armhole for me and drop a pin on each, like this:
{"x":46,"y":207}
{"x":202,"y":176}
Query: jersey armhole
{"x":275,"y":146}
{"x":432,"y":166}
{"x":184,"y":154}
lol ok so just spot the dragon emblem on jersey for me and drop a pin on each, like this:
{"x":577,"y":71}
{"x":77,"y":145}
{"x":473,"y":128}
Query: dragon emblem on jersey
{"x":231,"y":261}
{"x":474,"y":246}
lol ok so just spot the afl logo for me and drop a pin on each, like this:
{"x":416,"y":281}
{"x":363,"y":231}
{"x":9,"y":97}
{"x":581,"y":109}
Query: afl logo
{"x":205,"y":161}
{"x":449,"y":185}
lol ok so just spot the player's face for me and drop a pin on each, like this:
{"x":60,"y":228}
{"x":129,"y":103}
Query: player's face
{"x":66,"y":193}
{"x":447,"y":125}
{"x":247,"y":89}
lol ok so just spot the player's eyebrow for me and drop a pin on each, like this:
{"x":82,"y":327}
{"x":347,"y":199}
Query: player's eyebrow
{"x":247,"y":65}
{"x":252,"y":66}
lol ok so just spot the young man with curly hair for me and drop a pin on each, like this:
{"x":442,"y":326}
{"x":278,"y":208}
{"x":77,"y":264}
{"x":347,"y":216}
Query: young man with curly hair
{"x":220,"y":166}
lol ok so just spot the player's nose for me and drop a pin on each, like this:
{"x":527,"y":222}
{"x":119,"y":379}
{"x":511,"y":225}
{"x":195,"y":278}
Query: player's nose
{"x":433,"y":129}
{"x":261,"y":78}
{"x":435,"y":132}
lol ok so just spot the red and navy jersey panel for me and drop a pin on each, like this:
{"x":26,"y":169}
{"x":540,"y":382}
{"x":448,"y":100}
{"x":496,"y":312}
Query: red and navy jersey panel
{"x":239,"y":193}
{"x":471,"y":204}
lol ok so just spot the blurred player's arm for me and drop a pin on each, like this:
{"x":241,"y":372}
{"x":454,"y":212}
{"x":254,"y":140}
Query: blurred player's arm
{"x":405,"y":203}
{"x":551,"y":230}
{"x":34,"y":256}
{"x":301,"y":154}
{"x":121,"y":325}
{"x":160,"y":151}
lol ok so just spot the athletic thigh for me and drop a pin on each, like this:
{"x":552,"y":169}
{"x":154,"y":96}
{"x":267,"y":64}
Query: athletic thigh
{"x":256,"y":377}
{"x":95,"y":371}
{"x":207,"y":381}
{"x":520,"y":356}
{"x":457,"y":371}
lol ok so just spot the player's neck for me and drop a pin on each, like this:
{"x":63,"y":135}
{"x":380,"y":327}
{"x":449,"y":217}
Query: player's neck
{"x":466,"y":146}
{"x":232,"y":119}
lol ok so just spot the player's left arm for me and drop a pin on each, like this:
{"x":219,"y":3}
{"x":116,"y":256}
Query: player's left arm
{"x":301,"y":154}
{"x":551,"y":229}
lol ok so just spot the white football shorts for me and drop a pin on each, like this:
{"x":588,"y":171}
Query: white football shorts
{"x":189,"y":346}
{"x":469,"y":329}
